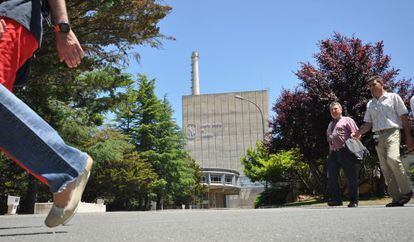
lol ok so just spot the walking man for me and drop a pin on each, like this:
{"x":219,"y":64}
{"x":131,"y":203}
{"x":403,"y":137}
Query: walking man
{"x":386,"y":114}
{"x":25,"y":137}
{"x":339,"y":130}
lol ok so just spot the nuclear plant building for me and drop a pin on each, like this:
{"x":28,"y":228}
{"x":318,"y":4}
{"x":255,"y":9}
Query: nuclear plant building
{"x":219,"y":128}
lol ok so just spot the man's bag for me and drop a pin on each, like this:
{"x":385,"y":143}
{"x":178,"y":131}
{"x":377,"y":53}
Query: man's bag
{"x":356,"y":148}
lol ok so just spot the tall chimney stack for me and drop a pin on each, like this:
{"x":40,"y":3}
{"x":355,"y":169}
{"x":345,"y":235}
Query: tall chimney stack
{"x":195,"y":85}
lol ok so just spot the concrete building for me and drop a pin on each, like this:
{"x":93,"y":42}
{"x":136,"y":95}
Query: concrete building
{"x":219,"y":128}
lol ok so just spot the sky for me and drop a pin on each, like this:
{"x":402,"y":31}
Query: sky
{"x":249,"y":45}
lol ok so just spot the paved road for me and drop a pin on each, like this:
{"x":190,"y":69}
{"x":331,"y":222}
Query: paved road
{"x":371,"y":223}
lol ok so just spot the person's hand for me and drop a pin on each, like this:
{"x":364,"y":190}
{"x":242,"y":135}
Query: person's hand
{"x":69,"y":49}
{"x":2,"y":27}
{"x":356,"y":135}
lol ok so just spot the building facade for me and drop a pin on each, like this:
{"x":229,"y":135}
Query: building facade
{"x":219,"y":128}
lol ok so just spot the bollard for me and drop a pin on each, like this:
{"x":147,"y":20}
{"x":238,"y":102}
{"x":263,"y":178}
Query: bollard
{"x":12,"y":204}
{"x":153,"y":206}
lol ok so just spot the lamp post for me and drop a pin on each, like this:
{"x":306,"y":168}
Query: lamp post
{"x":257,"y":106}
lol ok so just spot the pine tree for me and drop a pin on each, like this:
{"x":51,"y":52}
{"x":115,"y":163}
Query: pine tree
{"x":159,"y":141}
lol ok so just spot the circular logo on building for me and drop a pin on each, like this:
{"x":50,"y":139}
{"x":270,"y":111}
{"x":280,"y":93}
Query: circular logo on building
{"x":191,"y":131}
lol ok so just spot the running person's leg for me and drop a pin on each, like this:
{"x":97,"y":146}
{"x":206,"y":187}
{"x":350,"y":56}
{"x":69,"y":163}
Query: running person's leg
{"x":28,"y":139}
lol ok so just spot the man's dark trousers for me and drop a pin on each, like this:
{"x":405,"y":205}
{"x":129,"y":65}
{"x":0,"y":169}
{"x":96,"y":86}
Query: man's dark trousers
{"x":343,"y":158}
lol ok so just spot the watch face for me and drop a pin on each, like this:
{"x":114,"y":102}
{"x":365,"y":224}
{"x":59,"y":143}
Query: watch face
{"x":64,"y":27}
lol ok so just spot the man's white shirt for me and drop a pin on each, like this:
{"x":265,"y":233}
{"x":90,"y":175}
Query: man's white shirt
{"x":385,"y":112}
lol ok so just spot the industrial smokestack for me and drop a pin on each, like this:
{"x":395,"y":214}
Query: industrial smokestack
{"x":194,"y":80}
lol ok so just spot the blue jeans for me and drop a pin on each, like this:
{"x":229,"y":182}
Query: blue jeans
{"x":35,"y":145}
{"x":337,"y":159}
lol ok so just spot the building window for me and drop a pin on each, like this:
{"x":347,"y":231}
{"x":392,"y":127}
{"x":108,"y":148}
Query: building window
{"x":215,"y":179}
{"x":203,"y":179}
{"x":229,"y":180}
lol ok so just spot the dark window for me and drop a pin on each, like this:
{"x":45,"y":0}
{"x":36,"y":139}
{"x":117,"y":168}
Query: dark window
{"x":215,"y":179}
{"x":229,"y":179}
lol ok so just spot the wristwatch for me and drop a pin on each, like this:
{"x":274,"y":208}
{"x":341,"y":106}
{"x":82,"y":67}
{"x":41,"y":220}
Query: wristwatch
{"x":62,"y":28}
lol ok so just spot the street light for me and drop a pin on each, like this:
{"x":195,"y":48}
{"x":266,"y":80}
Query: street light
{"x":257,"y":106}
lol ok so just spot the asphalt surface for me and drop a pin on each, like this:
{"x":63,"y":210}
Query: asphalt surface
{"x":370,"y":223}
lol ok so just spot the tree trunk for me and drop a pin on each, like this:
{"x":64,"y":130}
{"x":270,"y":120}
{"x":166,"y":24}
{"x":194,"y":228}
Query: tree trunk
{"x":31,"y":196}
{"x":320,"y":180}
{"x":160,"y":203}
{"x":146,"y":203}
{"x":308,"y":187}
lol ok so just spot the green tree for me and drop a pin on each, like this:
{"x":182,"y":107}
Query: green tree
{"x":9,"y":174}
{"x":125,"y":181}
{"x":262,"y":166}
{"x":280,"y":172}
{"x":189,"y":189}
{"x":107,"y":30}
{"x":159,"y":141}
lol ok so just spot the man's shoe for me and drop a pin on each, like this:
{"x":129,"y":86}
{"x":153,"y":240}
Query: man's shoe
{"x":57,"y":215}
{"x":353,"y":204}
{"x":394,"y":204}
{"x":405,"y":198}
{"x":332,"y":204}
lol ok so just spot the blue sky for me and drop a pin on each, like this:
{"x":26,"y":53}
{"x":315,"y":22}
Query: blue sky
{"x":251,"y":45}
